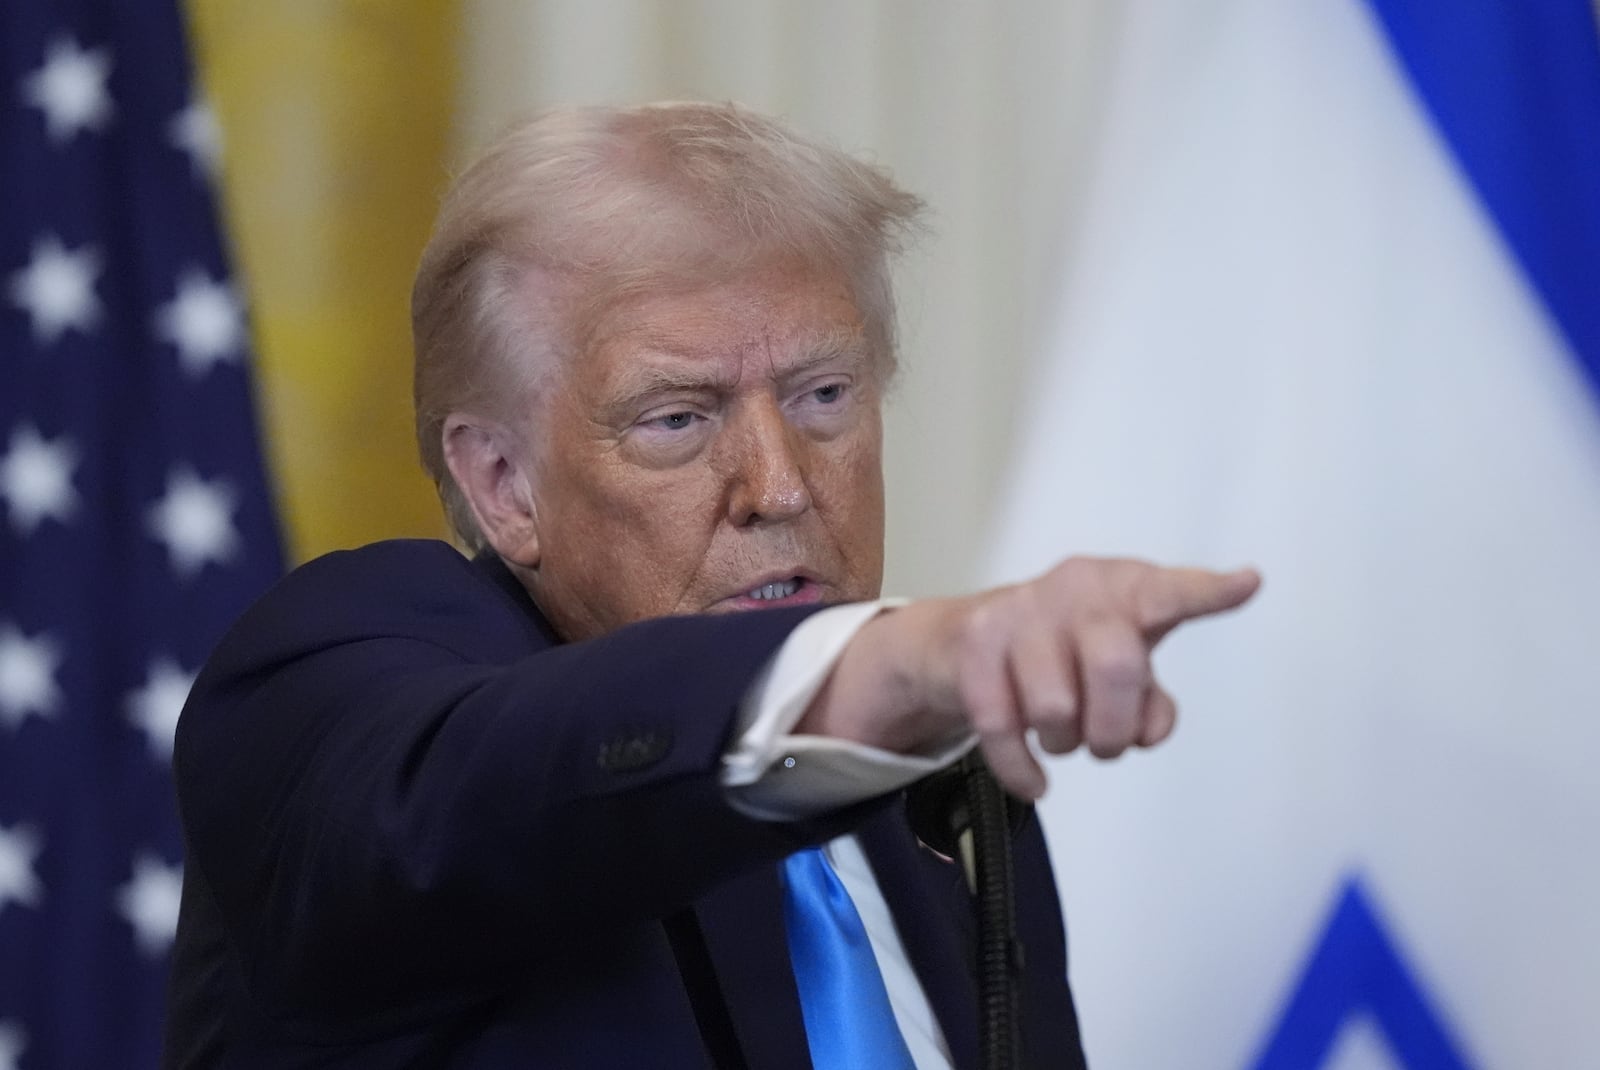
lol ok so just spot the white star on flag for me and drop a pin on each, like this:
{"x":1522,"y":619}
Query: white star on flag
{"x":195,"y":131}
{"x":130,"y":459}
{"x":13,"y":1042}
{"x":27,"y":676}
{"x":149,"y":902}
{"x":19,"y":847}
{"x":56,"y":289}
{"x":154,"y":708}
{"x":36,"y":479}
{"x":195,"y":521}
{"x":205,"y":321}
{"x":70,"y":88}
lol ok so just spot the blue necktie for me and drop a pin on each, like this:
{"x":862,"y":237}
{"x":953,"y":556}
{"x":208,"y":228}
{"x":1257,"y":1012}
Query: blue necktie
{"x":849,"y":1025}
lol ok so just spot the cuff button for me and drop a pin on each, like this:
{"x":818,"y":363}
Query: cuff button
{"x":628,"y":754}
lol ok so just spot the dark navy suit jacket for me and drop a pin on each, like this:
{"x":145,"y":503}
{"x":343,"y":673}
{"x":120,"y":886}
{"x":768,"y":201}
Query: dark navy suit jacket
{"x":423,"y":832}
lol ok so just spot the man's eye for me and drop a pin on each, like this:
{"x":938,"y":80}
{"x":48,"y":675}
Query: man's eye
{"x":829,"y":394}
{"x":674,"y":421}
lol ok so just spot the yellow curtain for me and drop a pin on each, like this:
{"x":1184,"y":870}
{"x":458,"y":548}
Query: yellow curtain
{"x":336,"y":123}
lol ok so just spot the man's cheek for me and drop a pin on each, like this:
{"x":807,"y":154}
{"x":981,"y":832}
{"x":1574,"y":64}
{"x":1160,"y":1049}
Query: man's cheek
{"x":853,"y":487}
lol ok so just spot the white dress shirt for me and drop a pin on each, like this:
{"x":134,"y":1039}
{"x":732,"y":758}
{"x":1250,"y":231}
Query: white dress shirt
{"x":771,"y":773}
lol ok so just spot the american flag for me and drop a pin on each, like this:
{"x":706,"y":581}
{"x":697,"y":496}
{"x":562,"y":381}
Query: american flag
{"x":135,"y":521}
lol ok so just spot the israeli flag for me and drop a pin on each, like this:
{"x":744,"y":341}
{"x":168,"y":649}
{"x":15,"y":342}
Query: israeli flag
{"x":1335,"y":312}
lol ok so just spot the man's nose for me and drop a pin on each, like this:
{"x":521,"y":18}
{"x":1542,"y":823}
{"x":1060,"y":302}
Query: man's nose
{"x":767,"y":466}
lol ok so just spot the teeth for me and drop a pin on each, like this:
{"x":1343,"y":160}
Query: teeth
{"x":781,"y":589}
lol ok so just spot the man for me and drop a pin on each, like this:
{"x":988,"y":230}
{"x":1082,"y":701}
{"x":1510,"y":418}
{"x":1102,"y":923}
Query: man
{"x":555,"y":805}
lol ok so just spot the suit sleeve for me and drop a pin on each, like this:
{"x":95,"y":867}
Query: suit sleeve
{"x":383,"y":788}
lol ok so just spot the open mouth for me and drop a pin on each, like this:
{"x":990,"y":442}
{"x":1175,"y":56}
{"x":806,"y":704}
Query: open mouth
{"x":769,"y":592}
{"x":793,"y":591}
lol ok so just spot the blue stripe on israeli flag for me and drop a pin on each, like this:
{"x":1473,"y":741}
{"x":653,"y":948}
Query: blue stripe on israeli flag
{"x":1514,"y":87}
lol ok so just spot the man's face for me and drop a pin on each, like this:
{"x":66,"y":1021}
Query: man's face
{"x":713,"y":450}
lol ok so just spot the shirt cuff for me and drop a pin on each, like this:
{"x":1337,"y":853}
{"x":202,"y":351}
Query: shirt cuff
{"x":772,"y":774}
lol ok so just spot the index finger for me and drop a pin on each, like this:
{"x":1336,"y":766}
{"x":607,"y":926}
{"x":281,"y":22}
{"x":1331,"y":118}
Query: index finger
{"x":1166,"y":597}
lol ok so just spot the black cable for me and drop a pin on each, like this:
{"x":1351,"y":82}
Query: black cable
{"x":962,"y":813}
{"x":999,"y":950}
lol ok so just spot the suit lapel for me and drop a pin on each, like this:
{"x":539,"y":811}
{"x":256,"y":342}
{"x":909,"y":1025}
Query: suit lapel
{"x":933,"y":914}
{"x":742,"y":923}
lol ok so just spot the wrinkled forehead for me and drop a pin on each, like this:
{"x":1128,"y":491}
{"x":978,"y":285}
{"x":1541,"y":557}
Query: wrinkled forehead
{"x":781,"y":311}
{"x":770,"y":330}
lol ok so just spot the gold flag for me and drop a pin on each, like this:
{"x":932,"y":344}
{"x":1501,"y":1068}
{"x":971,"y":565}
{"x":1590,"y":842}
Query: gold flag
{"x":336,"y":123}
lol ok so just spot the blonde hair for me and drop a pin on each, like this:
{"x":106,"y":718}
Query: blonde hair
{"x":578,"y":208}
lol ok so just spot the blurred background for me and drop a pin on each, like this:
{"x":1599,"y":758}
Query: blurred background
{"x":1311,"y":286}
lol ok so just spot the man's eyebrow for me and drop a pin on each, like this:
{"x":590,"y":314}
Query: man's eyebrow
{"x":638,"y":382}
{"x":842,"y":345}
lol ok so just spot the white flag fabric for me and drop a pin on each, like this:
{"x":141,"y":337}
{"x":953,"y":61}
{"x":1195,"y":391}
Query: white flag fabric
{"x":1336,"y":313}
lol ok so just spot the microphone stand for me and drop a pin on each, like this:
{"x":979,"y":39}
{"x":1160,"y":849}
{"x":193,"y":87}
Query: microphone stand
{"x":962,"y":812}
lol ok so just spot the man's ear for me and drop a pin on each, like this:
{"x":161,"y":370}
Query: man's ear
{"x":490,"y":467}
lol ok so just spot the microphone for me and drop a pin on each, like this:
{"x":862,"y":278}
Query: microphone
{"x":936,"y":807}
{"x":939,"y":810}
